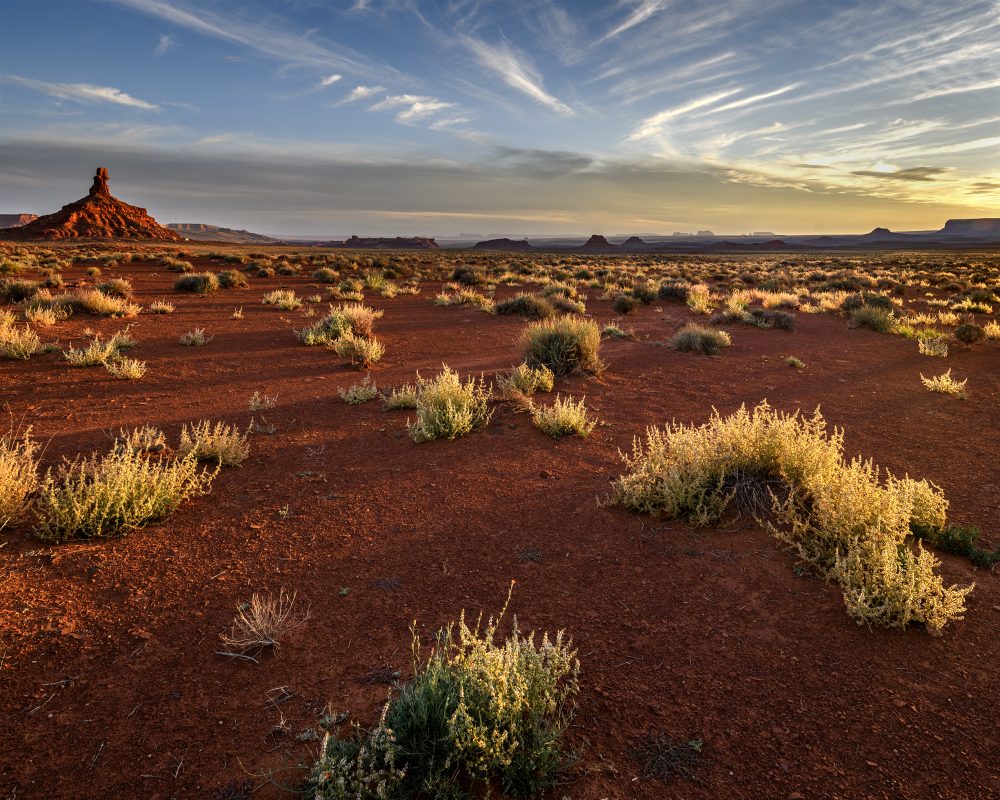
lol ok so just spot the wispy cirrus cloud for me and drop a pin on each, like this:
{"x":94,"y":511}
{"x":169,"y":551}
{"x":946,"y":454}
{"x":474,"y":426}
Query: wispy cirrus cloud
{"x":642,"y":12}
{"x":515,"y":70}
{"x":329,"y":80}
{"x":757,"y":98}
{"x":266,"y":35}
{"x":165,"y":45}
{"x":362,"y":93}
{"x":83,"y":92}
{"x":651,"y":126}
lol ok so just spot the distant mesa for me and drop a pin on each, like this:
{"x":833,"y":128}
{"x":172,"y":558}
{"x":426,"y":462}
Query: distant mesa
{"x":16,"y":220}
{"x":633,"y":242}
{"x":988,"y":228}
{"x":393,"y":243}
{"x":99,"y":215}
{"x":597,"y":242}
{"x":503,"y":245}
{"x":200,"y":232}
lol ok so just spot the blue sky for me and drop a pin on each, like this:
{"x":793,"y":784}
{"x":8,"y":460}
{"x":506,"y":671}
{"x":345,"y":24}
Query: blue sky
{"x":399,"y":116}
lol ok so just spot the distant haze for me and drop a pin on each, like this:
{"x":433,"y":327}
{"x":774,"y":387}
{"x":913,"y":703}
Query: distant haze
{"x":378,"y":117}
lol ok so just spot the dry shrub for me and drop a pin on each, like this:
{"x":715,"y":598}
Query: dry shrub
{"x":18,"y":475}
{"x":840,"y":516}
{"x":17,"y":342}
{"x":563,"y":418}
{"x":945,"y":384}
{"x":699,"y":339}
{"x":221,"y":443}
{"x":359,"y":352}
{"x":263,"y":622}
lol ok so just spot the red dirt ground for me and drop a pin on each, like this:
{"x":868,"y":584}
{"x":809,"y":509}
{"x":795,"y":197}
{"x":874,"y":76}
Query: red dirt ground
{"x":110,"y":684}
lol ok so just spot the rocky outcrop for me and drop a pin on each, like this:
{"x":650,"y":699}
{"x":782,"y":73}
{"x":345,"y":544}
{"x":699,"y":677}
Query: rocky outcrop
{"x":16,"y":220}
{"x":988,"y":227}
{"x":200,"y":232}
{"x":99,"y":215}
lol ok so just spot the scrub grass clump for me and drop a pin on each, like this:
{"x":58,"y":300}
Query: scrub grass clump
{"x":16,"y":342}
{"x":101,"y":496}
{"x":564,"y":345}
{"x":18,"y":475}
{"x":359,"y":393}
{"x":284,"y":299}
{"x":221,"y":443}
{"x":477,"y":712}
{"x":563,"y":418}
{"x":401,"y":397}
{"x":699,"y":339}
{"x":200,"y":282}
{"x":840,"y":516}
{"x":448,"y":407}
{"x":527,"y":305}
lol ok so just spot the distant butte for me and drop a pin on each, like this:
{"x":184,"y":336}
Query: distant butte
{"x":99,"y":215}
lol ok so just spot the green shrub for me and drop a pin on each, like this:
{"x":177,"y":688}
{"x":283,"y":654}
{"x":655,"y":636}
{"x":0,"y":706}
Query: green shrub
{"x":101,"y":496}
{"x":127,"y":369}
{"x":526,"y":380}
{"x":623,"y":304}
{"x":526,"y":305}
{"x":18,"y":475}
{"x":201,"y":282}
{"x":352,"y":318}
{"x":563,"y":418}
{"x":476,"y":712}
{"x":16,"y":290}
{"x":839,"y":515}
{"x":699,"y":339}
{"x":116,"y":287}
{"x":326,"y":275}
{"x":447,"y":407}
{"x":565,"y":345}
{"x":969,"y":333}
{"x":404,"y":396}
{"x":221,"y":443}
{"x":879,"y":320}
{"x":195,"y":338}
{"x":233,"y":279}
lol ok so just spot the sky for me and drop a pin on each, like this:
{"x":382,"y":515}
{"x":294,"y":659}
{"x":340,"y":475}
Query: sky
{"x":385,"y":117}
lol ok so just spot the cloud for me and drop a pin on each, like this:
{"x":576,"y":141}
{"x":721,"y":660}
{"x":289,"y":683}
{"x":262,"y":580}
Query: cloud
{"x":329,"y":80}
{"x":651,"y":126}
{"x":83,"y":93}
{"x":747,"y":101}
{"x":414,"y":107}
{"x":362,"y":93}
{"x":910,"y":174}
{"x":165,"y":45}
{"x":503,"y":60}
{"x":267,"y":37}
{"x":643,"y":11}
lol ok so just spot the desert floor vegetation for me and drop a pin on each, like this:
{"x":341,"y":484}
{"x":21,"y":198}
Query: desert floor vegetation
{"x":717,"y":560}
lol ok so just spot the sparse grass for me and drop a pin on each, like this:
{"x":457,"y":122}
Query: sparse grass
{"x":933,"y":347}
{"x":195,"y":338}
{"x":99,"y":352}
{"x":699,"y":339}
{"x":233,"y":279}
{"x":839,"y":516}
{"x":127,"y":369}
{"x":615,"y":332}
{"x":263,"y":622}
{"x":477,"y":713}
{"x":526,"y":380}
{"x":97,"y":303}
{"x":18,"y":475}
{"x":402,"y":397}
{"x":946,"y":385}
{"x":454,"y":295}
{"x":100,"y":496}
{"x":221,"y":443}
{"x":351,"y":318}
{"x":359,"y":352}
{"x":359,"y":393}
{"x":795,"y":363}
{"x":285,"y":299}
{"x":563,"y":418}
{"x":448,"y":407}
{"x":44,"y":316}
{"x":161,"y":307}
{"x":262,"y":402}
{"x":564,"y":345}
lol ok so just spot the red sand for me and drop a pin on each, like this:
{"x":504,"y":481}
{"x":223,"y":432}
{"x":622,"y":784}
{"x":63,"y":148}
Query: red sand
{"x":109,"y":682}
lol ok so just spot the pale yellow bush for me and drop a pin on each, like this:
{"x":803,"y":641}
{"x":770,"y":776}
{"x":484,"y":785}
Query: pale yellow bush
{"x":833,"y":512}
{"x":18,"y":475}
{"x":946,"y":385}
{"x":221,"y":443}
